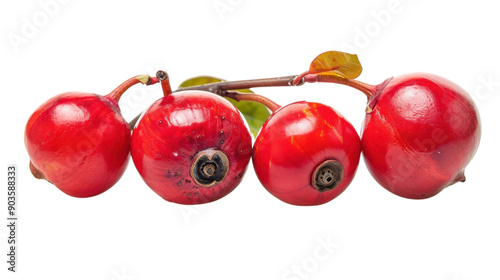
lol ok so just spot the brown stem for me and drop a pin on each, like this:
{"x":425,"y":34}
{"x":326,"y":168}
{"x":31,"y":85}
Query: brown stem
{"x":165,"y":82}
{"x":244,"y":84}
{"x":118,"y":92}
{"x":271,"y":105}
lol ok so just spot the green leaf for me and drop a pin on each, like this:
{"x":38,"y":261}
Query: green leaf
{"x":255,"y":113}
{"x":200,"y":80}
{"x":340,"y":64}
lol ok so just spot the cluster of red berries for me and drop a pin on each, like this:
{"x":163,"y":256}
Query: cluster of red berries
{"x":193,"y":146}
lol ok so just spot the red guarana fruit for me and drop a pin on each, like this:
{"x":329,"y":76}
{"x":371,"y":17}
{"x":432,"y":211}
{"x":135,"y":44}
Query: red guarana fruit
{"x":79,"y":141}
{"x":419,"y":134}
{"x":306,"y":153}
{"x":191,"y":147}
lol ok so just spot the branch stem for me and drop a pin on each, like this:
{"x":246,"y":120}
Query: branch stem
{"x":244,"y":84}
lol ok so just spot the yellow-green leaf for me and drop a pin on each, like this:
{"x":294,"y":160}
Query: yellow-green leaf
{"x":255,"y":113}
{"x":340,"y":64}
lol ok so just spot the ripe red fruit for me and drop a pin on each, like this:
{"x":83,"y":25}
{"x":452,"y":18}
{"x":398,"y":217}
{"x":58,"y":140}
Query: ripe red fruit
{"x":80,"y":141}
{"x":306,"y":153}
{"x":419,"y":134}
{"x":191,"y":147}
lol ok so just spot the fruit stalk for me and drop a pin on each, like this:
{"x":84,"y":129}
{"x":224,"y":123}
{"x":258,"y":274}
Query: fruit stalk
{"x":162,"y":76}
{"x":118,"y":91}
{"x":271,"y":105}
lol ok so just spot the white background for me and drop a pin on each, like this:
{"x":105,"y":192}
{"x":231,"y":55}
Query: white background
{"x":131,"y":233}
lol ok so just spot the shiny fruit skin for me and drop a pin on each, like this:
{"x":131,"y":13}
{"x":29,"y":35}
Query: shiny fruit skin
{"x":420,"y":136}
{"x":174,"y":130}
{"x":294,"y":141}
{"x":79,"y":142}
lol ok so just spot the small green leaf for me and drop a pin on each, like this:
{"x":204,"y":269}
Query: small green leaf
{"x":255,"y":113}
{"x":340,"y":64}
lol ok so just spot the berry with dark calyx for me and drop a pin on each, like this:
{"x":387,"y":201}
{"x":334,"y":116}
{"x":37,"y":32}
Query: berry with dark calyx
{"x":306,"y":153}
{"x":79,"y":141}
{"x":191,"y":147}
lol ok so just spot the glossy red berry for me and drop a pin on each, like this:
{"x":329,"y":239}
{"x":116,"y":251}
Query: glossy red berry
{"x":80,"y":141}
{"x":419,"y":134}
{"x":191,"y":147}
{"x":306,"y":153}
